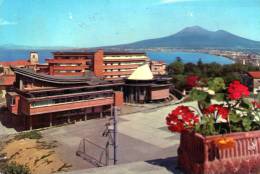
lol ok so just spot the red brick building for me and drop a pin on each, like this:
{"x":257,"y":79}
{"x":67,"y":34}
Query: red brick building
{"x":7,"y":77}
{"x":80,"y":85}
{"x":158,"y":67}
{"x":110,"y":65}
{"x":43,"y":100}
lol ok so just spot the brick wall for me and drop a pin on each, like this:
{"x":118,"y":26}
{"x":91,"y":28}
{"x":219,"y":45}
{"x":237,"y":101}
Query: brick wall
{"x":98,"y":63}
{"x":13,"y":108}
{"x":119,"y":98}
{"x":159,"y":94}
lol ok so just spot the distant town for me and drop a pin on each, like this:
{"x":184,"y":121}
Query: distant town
{"x":244,"y":56}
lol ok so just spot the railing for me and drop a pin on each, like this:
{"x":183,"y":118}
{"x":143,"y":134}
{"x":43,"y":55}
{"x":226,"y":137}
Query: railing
{"x":93,"y":153}
{"x":28,"y":110}
{"x":178,"y":94}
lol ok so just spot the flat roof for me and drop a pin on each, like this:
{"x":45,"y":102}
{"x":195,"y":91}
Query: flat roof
{"x":254,"y":74}
{"x":86,"y":53}
{"x":89,"y":78}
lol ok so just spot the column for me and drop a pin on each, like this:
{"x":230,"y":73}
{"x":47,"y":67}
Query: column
{"x":30,"y":122}
{"x":111,"y":110}
{"x":50,"y":120}
{"x":85,"y":116}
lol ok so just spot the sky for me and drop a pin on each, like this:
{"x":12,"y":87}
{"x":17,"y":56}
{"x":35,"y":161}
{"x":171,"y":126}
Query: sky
{"x":92,"y":23}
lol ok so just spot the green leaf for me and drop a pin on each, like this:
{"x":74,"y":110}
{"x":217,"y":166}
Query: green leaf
{"x":245,"y":103}
{"x":236,"y":128}
{"x":198,"y":95}
{"x":233,"y":117}
{"x":219,"y":96}
{"x":216,"y":84}
{"x":246,"y":122}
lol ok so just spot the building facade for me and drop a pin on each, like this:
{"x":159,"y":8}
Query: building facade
{"x":252,"y":80}
{"x":158,"y":67}
{"x":143,"y":87}
{"x":7,"y":76}
{"x":110,"y":65}
{"x":42,"y":100}
{"x":118,"y":65}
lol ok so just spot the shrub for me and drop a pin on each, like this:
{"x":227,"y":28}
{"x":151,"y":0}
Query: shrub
{"x":14,"y":168}
{"x":30,"y":135}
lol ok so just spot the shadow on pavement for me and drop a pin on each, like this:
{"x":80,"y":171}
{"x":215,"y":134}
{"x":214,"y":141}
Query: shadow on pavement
{"x":169,"y":163}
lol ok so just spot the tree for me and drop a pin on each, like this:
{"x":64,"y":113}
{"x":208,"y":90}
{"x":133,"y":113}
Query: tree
{"x":179,"y":81}
{"x":192,"y":69}
{"x":214,"y":70}
{"x":177,"y":67}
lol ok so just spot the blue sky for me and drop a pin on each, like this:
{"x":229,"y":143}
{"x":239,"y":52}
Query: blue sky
{"x":90,"y":23}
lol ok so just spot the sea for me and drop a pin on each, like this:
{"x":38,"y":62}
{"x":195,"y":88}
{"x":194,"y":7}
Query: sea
{"x":168,"y":57}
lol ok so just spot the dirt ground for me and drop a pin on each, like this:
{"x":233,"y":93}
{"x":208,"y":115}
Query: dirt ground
{"x":38,"y":155}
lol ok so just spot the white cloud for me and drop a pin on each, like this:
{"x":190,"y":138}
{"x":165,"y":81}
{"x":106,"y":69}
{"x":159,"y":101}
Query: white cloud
{"x":5,"y":22}
{"x":70,"y":16}
{"x":173,"y":1}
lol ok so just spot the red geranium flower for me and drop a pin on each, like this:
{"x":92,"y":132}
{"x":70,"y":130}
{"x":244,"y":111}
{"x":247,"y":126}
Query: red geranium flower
{"x":236,"y":90}
{"x":218,"y":109}
{"x":181,"y":118}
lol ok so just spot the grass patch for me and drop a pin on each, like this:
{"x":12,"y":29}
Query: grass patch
{"x":14,"y":168}
{"x":46,"y":145}
{"x":30,"y":135}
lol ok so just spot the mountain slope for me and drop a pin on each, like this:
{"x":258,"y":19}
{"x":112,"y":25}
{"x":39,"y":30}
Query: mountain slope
{"x":197,"y":37}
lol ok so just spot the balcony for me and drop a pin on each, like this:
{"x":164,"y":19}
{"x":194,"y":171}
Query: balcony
{"x":49,"y":104}
{"x":70,"y":67}
{"x":29,"y":110}
{"x":117,"y":73}
{"x":73,"y":61}
{"x":68,"y":73}
{"x":121,"y":66}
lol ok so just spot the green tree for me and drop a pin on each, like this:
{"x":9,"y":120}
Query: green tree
{"x":179,"y":81}
{"x":214,"y":70}
{"x":177,"y":67}
{"x":229,"y":77}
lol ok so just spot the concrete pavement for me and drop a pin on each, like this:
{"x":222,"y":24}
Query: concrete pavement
{"x":161,"y":166}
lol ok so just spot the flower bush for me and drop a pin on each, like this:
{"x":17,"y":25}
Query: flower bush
{"x":181,"y":118}
{"x":236,"y":90}
{"x":192,"y":81}
{"x":221,"y":110}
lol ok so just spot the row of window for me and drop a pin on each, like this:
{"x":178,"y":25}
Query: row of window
{"x":67,"y":71}
{"x":69,"y":100}
{"x":68,"y":64}
{"x":116,"y":76}
{"x":116,"y":70}
{"x":124,"y":63}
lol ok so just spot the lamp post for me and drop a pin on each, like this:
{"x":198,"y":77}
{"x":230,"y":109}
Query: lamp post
{"x":115,"y":143}
{"x":111,"y":133}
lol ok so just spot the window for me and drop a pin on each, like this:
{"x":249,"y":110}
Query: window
{"x":13,"y":101}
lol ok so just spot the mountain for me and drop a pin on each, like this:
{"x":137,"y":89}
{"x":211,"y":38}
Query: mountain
{"x":197,"y":37}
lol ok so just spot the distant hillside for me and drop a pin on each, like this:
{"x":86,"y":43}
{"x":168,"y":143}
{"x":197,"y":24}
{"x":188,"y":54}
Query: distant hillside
{"x":197,"y":37}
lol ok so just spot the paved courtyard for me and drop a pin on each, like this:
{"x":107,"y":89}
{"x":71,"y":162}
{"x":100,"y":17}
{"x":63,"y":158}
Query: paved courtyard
{"x":142,"y":136}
